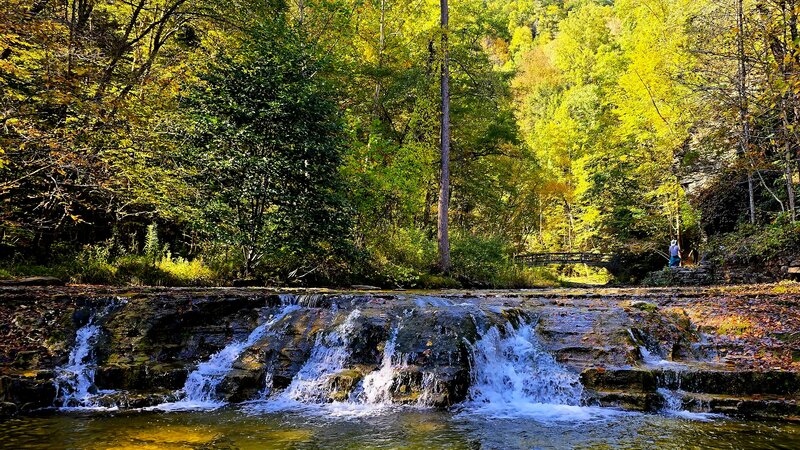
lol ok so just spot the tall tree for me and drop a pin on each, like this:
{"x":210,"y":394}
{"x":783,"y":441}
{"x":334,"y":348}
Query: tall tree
{"x":744,"y":138}
{"x":444,"y":181}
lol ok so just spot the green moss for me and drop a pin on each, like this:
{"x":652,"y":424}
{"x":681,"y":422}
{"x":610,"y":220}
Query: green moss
{"x":644,"y":306}
{"x":437,"y":282}
{"x":734,"y":326}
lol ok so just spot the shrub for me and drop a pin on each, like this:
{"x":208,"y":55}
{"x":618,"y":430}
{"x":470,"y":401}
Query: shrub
{"x":184,"y":272}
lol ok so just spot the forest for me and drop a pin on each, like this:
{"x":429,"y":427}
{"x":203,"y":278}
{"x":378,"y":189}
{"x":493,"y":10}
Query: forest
{"x":197,"y":142}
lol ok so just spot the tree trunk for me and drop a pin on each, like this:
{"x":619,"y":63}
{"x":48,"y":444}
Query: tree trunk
{"x":444,"y":181}
{"x":381,"y":48}
{"x":744,"y":139}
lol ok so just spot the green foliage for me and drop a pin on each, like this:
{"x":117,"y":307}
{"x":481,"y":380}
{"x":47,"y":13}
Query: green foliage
{"x":151,"y":245}
{"x":756,"y":244}
{"x":267,"y":150}
{"x":300,"y":146}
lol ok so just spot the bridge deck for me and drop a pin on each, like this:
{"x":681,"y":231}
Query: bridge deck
{"x":545,"y":259}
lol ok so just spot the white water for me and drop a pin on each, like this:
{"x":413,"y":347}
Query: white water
{"x":673,"y":406}
{"x":328,"y":357}
{"x":310,"y":389}
{"x":199,"y":391}
{"x":74,"y":382}
{"x":512,"y":377}
{"x":377,"y":385}
{"x":310,"y":386}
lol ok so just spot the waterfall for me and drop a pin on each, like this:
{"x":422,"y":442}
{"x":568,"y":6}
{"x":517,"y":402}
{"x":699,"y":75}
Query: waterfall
{"x":377,"y":385}
{"x":648,"y":357}
{"x":200,"y":389}
{"x":672,"y":396}
{"x":513,"y":376}
{"x":75,"y":381}
{"x":328,"y":357}
{"x":510,"y":367}
{"x":310,"y":389}
{"x":673,"y":406}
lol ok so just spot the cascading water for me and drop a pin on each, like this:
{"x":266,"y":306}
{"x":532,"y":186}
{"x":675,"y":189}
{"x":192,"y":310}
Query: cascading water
{"x":377,"y":385}
{"x":74,"y":382}
{"x":75,"y":386}
{"x":511,"y":366}
{"x":311,"y":388}
{"x":200,"y":389}
{"x":513,"y":376}
{"x":672,"y":396}
{"x":651,"y":358}
{"x":328,"y":357}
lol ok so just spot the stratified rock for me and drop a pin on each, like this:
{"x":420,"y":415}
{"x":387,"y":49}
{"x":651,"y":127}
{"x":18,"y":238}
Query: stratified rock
{"x":33,"y":281}
{"x":619,"y":380}
{"x":149,"y":340}
{"x":365,"y":287}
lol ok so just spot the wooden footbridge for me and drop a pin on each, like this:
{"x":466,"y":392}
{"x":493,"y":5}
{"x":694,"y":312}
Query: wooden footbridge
{"x":547,"y":259}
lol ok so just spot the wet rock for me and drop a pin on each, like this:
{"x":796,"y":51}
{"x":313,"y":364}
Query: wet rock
{"x":342,"y":384}
{"x":27,"y":393}
{"x":732,"y":382}
{"x":619,"y":380}
{"x":141,"y":377}
{"x":748,"y":406}
{"x":7,"y":410}
{"x":241,"y":385}
{"x":365,"y":287}
{"x":635,"y":401}
{"x":135,"y":400}
{"x":33,"y":281}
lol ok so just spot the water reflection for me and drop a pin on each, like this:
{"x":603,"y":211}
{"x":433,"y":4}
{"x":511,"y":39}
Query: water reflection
{"x":407,"y":429}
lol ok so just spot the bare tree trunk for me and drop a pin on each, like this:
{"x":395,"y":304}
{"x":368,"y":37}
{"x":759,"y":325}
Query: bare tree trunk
{"x":301,"y":12}
{"x":381,"y":48}
{"x":444,"y":181}
{"x":571,"y":226}
{"x":789,"y":161}
{"x":744,"y":139}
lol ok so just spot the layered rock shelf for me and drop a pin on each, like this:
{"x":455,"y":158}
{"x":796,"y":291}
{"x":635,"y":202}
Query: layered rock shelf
{"x":629,"y":348}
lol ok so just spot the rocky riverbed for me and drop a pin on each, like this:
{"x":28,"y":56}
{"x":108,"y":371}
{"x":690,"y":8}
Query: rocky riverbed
{"x":719,"y":350}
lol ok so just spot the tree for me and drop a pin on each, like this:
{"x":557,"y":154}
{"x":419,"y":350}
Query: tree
{"x":268,"y":146}
{"x":741,"y":89}
{"x":444,"y":181}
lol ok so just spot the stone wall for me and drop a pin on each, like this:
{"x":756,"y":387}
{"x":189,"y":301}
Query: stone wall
{"x":702,"y":275}
{"x":783,"y":268}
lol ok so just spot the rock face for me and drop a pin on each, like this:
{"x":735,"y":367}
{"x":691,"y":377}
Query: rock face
{"x":772,"y":395}
{"x":681,"y":276}
{"x":148,"y":346}
{"x":33,"y":281}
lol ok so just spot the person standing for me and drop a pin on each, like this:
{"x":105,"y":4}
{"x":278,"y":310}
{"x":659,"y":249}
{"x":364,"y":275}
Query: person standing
{"x":674,"y":254}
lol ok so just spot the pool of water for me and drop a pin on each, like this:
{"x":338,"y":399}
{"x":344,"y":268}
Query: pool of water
{"x":257,"y":428}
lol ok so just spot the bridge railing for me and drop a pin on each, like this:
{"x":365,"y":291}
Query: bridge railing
{"x":543,"y":259}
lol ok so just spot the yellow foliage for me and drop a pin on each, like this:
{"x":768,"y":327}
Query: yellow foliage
{"x":185,"y":270}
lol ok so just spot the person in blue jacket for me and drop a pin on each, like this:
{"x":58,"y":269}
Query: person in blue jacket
{"x":674,"y":254}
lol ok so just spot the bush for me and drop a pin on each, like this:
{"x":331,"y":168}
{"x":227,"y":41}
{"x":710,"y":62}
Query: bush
{"x":401,"y":258}
{"x":93,"y":266}
{"x":751,"y":243}
{"x":487,"y":262}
